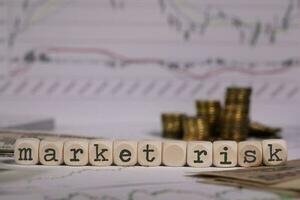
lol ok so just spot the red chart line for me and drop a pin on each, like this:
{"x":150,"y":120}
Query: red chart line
{"x":128,"y":60}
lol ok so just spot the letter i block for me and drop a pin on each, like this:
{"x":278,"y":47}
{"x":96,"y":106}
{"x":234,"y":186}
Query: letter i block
{"x":149,"y":153}
{"x":225,"y":153}
{"x":199,"y":154}
{"x":174,"y":153}
{"x":100,"y":152}
{"x":125,"y":152}
{"x":27,"y":151}
{"x":250,"y":153}
{"x":51,"y":152}
{"x":76,"y":152}
{"x":274,"y":151}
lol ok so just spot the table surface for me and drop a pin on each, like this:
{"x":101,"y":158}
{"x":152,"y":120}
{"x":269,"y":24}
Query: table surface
{"x":114,"y":182}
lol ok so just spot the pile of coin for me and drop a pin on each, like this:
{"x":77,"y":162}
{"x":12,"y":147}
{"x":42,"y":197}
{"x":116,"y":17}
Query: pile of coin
{"x":232,"y":122}
{"x":195,"y":128}
{"x":210,"y":110}
{"x":260,"y":130}
{"x":172,"y":124}
{"x":235,"y":116}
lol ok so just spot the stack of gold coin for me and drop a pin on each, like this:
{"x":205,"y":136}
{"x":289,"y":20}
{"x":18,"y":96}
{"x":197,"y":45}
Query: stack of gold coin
{"x":195,"y":128}
{"x":211,"y":110}
{"x":235,"y":116}
{"x":260,"y":130}
{"x":238,"y":96}
{"x":172,"y":125}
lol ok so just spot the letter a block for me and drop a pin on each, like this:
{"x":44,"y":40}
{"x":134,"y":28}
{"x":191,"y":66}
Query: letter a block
{"x":225,"y":153}
{"x":51,"y":152}
{"x":101,"y":152}
{"x":149,"y":153}
{"x":76,"y":152}
{"x":27,"y":151}
{"x":174,"y":153}
{"x":125,"y":152}
{"x":199,"y":154}
{"x":274,"y":151}
{"x":250,"y":153}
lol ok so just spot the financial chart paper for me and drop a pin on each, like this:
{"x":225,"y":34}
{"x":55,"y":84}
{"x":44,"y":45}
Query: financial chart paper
{"x":108,"y":68}
{"x":126,"y":61}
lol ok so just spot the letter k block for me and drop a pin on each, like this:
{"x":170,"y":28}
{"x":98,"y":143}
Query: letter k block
{"x":100,"y":152}
{"x":274,"y":152}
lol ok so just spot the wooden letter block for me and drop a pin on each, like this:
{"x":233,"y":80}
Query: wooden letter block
{"x":51,"y":152}
{"x":250,"y":153}
{"x":76,"y":152}
{"x":27,"y":151}
{"x":174,"y":153}
{"x":125,"y":152}
{"x":101,"y":152}
{"x":274,"y":151}
{"x":225,"y":153}
{"x":199,"y":154}
{"x":149,"y":153}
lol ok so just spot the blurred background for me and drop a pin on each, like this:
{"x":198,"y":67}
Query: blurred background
{"x":111,"y":67}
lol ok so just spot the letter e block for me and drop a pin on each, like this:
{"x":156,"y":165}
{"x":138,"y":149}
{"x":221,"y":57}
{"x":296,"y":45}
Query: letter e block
{"x":76,"y":152}
{"x":51,"y":152}
{"x":274,"y":151}
{"x":125,"y":152}
{"x":250,"y":153}
{"x":174,"y":153}
{"x":199,"y":154}
{"x":225,"y":153}
{"x":149,"y":153}
{"x":101,"y":152}
{"x":27,"y":151}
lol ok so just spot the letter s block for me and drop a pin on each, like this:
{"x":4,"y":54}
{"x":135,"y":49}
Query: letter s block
{"x":274,"y":151}
{"x":125,"y":152}
{"x":250,"y":153}
{"x":76,"y":152}
{"x":51,"y":152}
{"x":27,"y":151}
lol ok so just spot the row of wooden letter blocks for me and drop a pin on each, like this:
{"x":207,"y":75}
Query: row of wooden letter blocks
{"x":78,"y":152}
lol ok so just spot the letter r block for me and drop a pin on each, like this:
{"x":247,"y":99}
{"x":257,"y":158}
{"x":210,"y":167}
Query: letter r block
{"x":274,"y":151}
{"x":76,"y":152}
{"x":249,"y":153}
{"x":100,"y":152}
{"x":125,"y":152}
{"x":149,"y":153}
{"x":225,"y":153}
{"x":199,"y":154}
{"x":27,"y":151}
{"x":51,"y":152}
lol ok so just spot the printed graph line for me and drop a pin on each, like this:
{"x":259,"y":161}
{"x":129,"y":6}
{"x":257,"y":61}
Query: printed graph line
{"x":125,"y":61}
{"x":192,"y":17}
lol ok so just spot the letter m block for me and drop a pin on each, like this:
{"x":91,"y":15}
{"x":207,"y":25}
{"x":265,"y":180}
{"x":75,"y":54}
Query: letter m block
{"x":26,"y":151}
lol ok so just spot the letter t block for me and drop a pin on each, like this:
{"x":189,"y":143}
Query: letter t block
{"x":149,"y":153}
